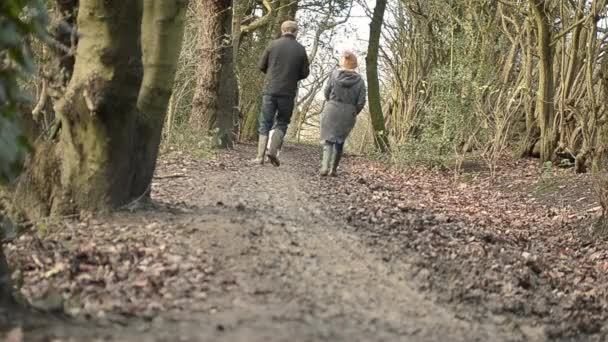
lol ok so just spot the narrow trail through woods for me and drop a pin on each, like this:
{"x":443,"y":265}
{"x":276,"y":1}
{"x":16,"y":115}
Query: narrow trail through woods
{"x":299,"y":275}
{"x":254,"y":254}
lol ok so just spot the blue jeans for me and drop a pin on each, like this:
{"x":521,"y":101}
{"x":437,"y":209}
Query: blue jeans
{"x":280,"y":107}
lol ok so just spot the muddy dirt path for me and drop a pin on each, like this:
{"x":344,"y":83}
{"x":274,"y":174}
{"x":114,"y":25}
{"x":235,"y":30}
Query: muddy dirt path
{"x":284,"y":267}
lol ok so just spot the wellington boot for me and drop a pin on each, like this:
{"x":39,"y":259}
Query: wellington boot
{"x":328,"y":149}
{"x":262,"y":142}
{"x":335,"y":161}
{"x":275,"y":142}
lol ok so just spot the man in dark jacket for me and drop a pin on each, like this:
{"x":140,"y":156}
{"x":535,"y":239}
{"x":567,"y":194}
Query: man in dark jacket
{"x":285,"y":63}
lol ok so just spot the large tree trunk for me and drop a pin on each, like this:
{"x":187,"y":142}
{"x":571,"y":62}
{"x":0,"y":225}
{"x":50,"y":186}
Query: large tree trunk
{"x":204,"y":103}
{"x":213,"y":103}
{"x":112,"y":113}
{"x":375,"y":103}
{"x":545,"y":96}
{"x":88,"y":167}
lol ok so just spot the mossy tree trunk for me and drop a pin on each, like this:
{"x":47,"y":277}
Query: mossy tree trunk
{"x":111,"y":115}
{"x":161,"y":40}
{"x":375,"y":104}
{"x":545,"y":96}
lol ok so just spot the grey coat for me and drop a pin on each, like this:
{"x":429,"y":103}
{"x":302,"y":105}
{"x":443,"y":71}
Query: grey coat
{"x":285,"y":63}
{"x":345,"y":98}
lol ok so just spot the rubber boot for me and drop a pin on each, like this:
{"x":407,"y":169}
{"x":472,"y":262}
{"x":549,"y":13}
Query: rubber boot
{"x":262,"y":142}
{"x":335,"y":161}
{"x":273,"y":147}
{"x":326,"y":159}
{"x":270,"y":138}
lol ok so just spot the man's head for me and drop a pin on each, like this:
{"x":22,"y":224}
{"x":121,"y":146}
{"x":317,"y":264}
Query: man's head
{"x":289,"y":27}
{"x":348,"y":60}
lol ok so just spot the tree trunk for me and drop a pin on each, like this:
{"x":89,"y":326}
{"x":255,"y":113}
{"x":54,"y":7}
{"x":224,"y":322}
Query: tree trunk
{"x":237,"y":16}
{"x":574,"y":60}
{"x":375,"y":105}
{"x":545,"y":96}
{"x":213,"y":103}
{"x":161,"y":40}
{"x":532,"y":132}
{"x":112,"y":113}
{"x":227,"y":84}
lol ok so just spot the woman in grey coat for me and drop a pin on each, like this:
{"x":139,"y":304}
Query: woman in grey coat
{"x":345,"y":99}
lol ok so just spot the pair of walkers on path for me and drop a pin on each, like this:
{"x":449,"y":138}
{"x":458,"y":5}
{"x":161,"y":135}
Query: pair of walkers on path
{"x":285,"y":63}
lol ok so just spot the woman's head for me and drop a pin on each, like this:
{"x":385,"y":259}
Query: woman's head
{"x":348,"y":60}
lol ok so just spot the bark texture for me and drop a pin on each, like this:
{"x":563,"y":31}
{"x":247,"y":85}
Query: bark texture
{"x":111,"y":115}
{"x":162,"y":33}
{"x":213,"y":103}
{"x":375,"y":105}
{"x":226,"y":106}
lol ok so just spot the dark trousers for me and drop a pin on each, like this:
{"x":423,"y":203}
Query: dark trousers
{"x":339,"y":147}
{"x":279,"y":107}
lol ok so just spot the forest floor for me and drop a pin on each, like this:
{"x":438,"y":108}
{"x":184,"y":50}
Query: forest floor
{"x":234,"y":252}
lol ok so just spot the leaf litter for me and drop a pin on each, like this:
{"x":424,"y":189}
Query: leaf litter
{"x":498,"y":246}
{"x":109,"y":270}
{"x":508,"y":247}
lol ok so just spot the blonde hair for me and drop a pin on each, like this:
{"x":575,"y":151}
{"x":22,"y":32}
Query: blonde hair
{"x":348,"y":60}
{"x":289,"y":26}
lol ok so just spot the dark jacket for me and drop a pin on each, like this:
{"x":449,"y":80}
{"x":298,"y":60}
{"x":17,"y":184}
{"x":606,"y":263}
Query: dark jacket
{"x":345,"y":94}
{"x":285,"y":63}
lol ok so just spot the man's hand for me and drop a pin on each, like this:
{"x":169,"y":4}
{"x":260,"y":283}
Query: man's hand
{"x":263,"y":65}
{"x":305,"y":71}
